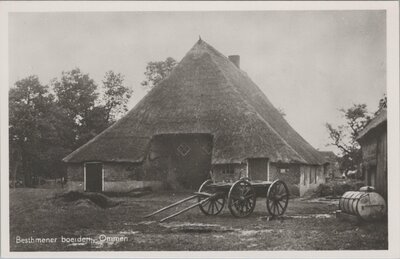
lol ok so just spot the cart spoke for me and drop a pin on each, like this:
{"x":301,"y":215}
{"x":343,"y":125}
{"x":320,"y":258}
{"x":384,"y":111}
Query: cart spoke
{"x":247,"y":206}
{"x":236,"y":197}
{"x":277,"y":208}
{"x":279,"y":203}
{"x":249,"y":196}
{"x":206,"y":203}
{"x":217,"y":207}
{"x":242,"y":208}
{"x":209,"y":208}
{"x":283,"y":197}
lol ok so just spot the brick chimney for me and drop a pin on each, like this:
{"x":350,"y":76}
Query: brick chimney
{"x":235,"y":59}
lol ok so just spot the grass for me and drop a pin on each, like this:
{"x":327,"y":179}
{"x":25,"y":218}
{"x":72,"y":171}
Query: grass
{"x":37,"y":213}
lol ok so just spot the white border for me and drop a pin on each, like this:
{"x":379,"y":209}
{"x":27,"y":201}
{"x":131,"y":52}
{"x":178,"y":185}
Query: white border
{"x":391,"y":8}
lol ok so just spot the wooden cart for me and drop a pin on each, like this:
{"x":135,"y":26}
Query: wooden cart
{"x":240,"y":196}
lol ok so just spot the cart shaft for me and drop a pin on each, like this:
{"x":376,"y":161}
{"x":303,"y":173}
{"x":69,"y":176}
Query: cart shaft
{"x":186,"y":209}
{"x":171,"y":206}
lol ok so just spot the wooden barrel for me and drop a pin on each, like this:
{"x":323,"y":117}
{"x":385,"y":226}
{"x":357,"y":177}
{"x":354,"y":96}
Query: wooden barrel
{"x":366,"y":205}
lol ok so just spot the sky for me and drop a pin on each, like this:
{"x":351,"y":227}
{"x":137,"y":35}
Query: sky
{"x":310,"y":64}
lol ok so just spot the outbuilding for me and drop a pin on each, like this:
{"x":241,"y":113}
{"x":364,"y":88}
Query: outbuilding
{"x":373,"y":141}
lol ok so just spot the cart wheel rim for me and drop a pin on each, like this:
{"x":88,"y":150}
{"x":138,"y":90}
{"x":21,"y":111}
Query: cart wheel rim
{"x":241,"y":198}
{"x":277,"y":198}
{"x":213,"y":206}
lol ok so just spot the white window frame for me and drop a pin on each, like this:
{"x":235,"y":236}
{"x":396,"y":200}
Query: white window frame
{"x":84,"y":174}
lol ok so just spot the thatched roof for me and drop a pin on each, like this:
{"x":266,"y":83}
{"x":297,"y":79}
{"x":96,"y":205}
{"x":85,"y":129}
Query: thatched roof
{"x":205,"y":93}
{"x":378,"y":120}
{"x":329,"y":156}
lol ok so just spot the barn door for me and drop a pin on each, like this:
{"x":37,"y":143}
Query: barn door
{"x":192,"y":159}
{"x":183,"y":161}
{"x":94,"y":177}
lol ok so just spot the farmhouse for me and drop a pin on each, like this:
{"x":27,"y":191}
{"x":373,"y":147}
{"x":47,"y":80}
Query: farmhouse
{"x":332,"y":168}
{"x":207,"y":115}
{"x":373,"y":141}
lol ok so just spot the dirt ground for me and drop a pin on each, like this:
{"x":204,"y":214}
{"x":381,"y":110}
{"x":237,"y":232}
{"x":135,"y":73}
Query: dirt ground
{"x":36,"y":216}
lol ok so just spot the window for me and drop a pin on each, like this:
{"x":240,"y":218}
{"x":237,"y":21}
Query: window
{"x":228,"y":169}
{"x":183,"y":149}
{"x":284,"y":170}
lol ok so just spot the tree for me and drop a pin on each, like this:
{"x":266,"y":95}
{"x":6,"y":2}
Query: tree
{"x":30,"y":127}
{"x":116,"y":96}
{"x":281,"y":111}
{"x":76,"y":96}
{"x":110,"y":105}
{"x":382,"y":104}
{"x":157,"y":71}
{"x":45,"y":127}
{"x":344,"y":136}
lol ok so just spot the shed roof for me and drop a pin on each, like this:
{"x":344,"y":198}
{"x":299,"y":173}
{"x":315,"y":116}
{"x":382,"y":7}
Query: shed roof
{"x":378,"y":120}
{"x":205,"y":93}
{"x":329,"y":156}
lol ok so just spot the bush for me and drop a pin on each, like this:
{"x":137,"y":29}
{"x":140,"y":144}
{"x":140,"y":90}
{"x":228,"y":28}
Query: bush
{"x":337,"y":188}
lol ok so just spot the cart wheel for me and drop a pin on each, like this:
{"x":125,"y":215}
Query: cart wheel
{"x":277,"y":198}
{"x":213,"y":206}
{"x":241,"y":198}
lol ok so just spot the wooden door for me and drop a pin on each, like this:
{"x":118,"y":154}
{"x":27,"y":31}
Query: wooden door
{"x":192,"y":159}
{"x":183,"y":161}
{"x":258,"y":168}
{"x":94,"y":177}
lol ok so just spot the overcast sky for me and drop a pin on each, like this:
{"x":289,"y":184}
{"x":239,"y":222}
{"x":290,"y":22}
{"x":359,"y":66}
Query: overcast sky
{"x":308,"y":63}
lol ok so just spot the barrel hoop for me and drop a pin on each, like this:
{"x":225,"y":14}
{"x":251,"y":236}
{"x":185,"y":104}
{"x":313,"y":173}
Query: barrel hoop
{"x":348,"y":210}
{"x":365,"y":194}
{"x":355,"y":202}
{"x":362,"y":196}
